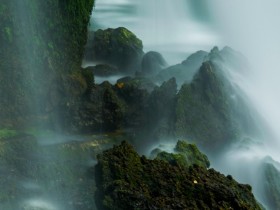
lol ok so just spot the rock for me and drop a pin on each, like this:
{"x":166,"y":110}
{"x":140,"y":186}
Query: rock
{"x":203,"y":109}
{"x":118,"y":47}
{"x":103,"y":70}
{"x":185,"y":71}
{"x":152,"y":63}
{"x":160,"y":110}
{"x":211,"y":110}
{"x":112,"y":110}
{"x":127,"y":181}
{"x":133,"y":92}
{"x":184,"y":155}
{"x":271,"y":184}
{"x":30,"y":64}
{"x":192,"y":154}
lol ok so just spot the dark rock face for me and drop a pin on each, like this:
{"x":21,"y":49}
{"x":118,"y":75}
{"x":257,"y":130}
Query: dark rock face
{"x":34,"y":56}
{"x":152,"y":63}
{"x":160,"y":110}
{"x":203,"y":108}
{"x":211,"y":110}
{"x":118,"y":47}
{"x":127,"y":181}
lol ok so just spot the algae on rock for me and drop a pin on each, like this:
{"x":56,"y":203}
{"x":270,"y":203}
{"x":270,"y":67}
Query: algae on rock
{"x":127,"y":181}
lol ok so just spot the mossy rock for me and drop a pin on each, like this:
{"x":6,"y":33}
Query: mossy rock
{"x":212,"y":111}
{"x":118,"y":47}
{"x":186,"y":155}
{"x":127,"y":181}
{"x":203,"y":111}
{"x":34,"y":56}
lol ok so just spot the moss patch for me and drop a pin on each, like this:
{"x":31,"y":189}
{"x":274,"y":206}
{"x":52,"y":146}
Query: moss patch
{"x":127,"y":181}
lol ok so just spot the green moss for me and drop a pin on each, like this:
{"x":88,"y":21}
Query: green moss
{"x":118,"y":47}
{"x":39,"y":133}
{"x":7,"y":133}
{"x":173,"y":159}
{"x":8,"y":32}
{"x":186,"y":155}
{"x":127,"y":181}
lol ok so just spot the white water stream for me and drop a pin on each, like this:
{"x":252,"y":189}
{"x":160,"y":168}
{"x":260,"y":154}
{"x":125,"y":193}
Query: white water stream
{"x":177,"y":28}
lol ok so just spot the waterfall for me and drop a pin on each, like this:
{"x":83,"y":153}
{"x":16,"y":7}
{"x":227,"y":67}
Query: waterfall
{"x":172,"y":29}
{"x":177,"y":28}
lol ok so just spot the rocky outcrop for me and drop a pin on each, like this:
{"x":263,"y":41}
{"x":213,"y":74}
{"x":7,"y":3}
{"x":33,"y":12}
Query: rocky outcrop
{"x":152,"y":63}
{"x":203,"y":108}
{"x":118,"y":47}
{"x":212,"y":110}
{"x":185,"y":155}
{"x":127,"y":181}
{"x":184,"y":71}
{"x":36,"y":62}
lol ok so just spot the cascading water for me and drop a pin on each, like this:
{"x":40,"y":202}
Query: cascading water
{"x":54,"y":172}
{"x":37,"y":166}
{"x":177,"y":28}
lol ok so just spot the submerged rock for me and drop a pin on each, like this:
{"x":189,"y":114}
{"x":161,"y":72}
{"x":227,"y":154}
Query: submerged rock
{"x":118,"y":47}
{"x":127,"y":181}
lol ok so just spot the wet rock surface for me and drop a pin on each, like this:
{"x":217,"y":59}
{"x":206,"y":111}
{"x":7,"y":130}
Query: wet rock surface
{"x":127,"y":181}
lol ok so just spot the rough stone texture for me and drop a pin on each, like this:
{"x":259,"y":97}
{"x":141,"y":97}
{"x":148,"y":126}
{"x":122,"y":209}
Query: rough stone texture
{"x":118,"y":47}
{"x":127,"y":181}
{"x":41,"y":52}
{"x":211,"y":110}
{"x":185,"y":155}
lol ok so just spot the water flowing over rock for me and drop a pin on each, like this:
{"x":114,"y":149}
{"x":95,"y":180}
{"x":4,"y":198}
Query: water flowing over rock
{"x":41,"y":52}
{"x":211,"y":109}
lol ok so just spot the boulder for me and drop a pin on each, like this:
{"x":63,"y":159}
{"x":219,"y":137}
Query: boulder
{"x":152,"y":63}
{"x":185,"y":155}
{"x":127,"y":181}
{"x":118,"y":47}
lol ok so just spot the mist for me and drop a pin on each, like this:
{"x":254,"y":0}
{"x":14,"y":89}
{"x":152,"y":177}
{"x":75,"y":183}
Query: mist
{"x":250,"y":27}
